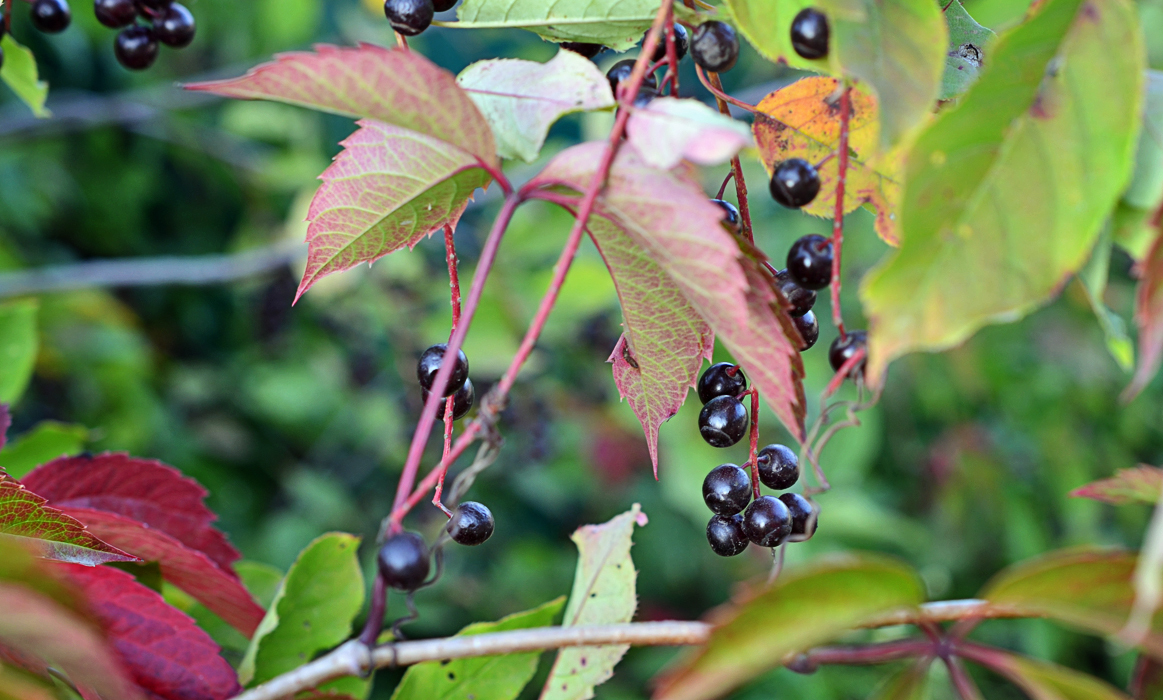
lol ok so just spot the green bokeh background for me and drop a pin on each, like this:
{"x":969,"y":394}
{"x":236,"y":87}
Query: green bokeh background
{"x":298,"y":419}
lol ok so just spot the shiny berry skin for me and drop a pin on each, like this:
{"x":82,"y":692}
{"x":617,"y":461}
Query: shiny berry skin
{"x":681,"y":44}
{"x":809,"y":261}
{"x":409,"y":17}
{"x":767,"y":521}
{"x":725,"y":535}
{"x":730,"y":220}
{"x":443,"y":5}
{"x":51,"y":16}
{"x":115,"y":13}
{"x":714,"y":46}
{"x":801,"y":300}
{"x":795,"y":183}
{"x":778,"y":466}
{"x":809,"y":33}
{"x":403,"y":561}
{"x":175,"y":26}
{"x":801,"y":512}
{"x":723,"y":421}
{"x":462,"y":401}
{"x":621,"y":71}
{"x":722,"y":379}
{"x":843,"y":349}
{"x":587,"y":50}
{"x":727,"y":489}
{"x":809,"y":329}
{"x":471,"y":524}
{"x":135,"y":47}
{"x":644,"y":96}
{"x":429,"y":365}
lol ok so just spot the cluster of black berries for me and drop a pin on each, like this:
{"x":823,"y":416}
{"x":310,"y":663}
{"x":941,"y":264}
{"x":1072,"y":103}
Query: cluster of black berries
{"x":459,"y":385}
{"x":723,"y":420}
{"x":404,"y":559}
{"x":136,"y":46}
{"x":410,"y":17}
{"x":767,"y":521}
{"x":620,"y":71}
{"x":809,"y":269}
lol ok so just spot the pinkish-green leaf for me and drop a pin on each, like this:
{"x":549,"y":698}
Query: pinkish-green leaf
{"x":1045,"y":681}
{"x":1143,"y":484}
{"x":674,"y":223}
{"x":1149,"y":318}
{"x":669,"y":129}
{"x":521,"y":99}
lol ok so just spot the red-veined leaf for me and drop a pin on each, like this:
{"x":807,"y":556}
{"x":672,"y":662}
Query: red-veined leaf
{"x":141,"y":489}
{"x":1045,"y":681}
{"x":667,"y":130}
{"x":1149,"y":318}
{"x":1143,"y":484}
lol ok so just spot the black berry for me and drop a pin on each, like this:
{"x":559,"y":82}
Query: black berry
{"x":809,"y":329}
{"x":174,"y":26}
{"x":809,"y":33}
{"x":429,"y":365}
{"x":731,"y":220}
{"x":115,"y":13}
{"x":409,"y":17}
{"x":587,"y":50}
{"x":471,"y":524}
{"x":778,"y":466}
{"x":644,"y":96}
{"x":147,"y":8}
{"x":844,"y":349}
{"x":801,"y":300}
{"x":722,"y":379}
{"x":462,"y":401}
{"x":51,"y":16}
{"x":809,"y":261}
{"x":767,"y":521}
{"x":135,"y":47}
{"x":801,"y":512}
{"x":795,"y":183}
{"x":443,"y":5}
{"x":681,"y":44}
{"x":403,"y":561}
{"x":725,"y":535}
{"x":723,"y":421}
{"x":621,"y":71}
{"x":714,"y":46}
{"x":727,"y":489}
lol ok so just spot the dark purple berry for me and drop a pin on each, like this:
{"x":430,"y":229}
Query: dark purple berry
{"x":115,"y":13}
{"x":462,"y":401}
{"x":809,"y":261}
{"x":844,"y":349}
{"x":809,"y":33}
{"x":714,"y":46}
{"x":778,"y":467}
{"x":429,"y":365}
{"x":409,"y":17}
{"x":587,"y":50}
{"x":727,"y":489}
{"x":644,"y":96}
{"x":681,"y":44}
{"x":723,"y":421}
{"x":621,"y":72}
{"x":135,"y":47}
{"x":801,"y":515}
{"x":51,"y":16}
{"x":795,"y":183}
{"x":731,"y":220}
{"x":801,"y":300}
{"x":403,"y":561}
{"x":722,"y":379}
{"x":174,"y":26}
{"x":725,"y":535}
{"x":809,"y":329}
{"x":471,"y":524}
{"x":767,"y":521}
{"x":443,"y":5}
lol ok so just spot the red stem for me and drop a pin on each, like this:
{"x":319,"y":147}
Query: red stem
{"x":961,"y":680}
{"x":736,"y":166}
{"x":842,"y":373}
{"x":726,"y":180}
{"x":454,"y":302}
{"x":838,"y":218}
{"x":754,"y":441}
{"x":870,"y":653}
{"x":716,"y":89}
{"x":375,"y":616}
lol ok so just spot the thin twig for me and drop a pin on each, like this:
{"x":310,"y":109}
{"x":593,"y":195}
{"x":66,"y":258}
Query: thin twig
{"x":962,"y":682}
{"x":736,"y":167}
{"x":838,"y":217}
{"x":716,"y":89}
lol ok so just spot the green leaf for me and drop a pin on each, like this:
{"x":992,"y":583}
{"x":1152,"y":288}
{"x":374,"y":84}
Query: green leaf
{"x":19,"y":74}
{"x":312,"y":610}
{"x":968,"y":50}
{"x":18,"y":346}
{"x":803,"y":608}
{"x":667,"y":130}
{"x":16,"y":684}
{"x":1041,"y":143}
{"x":909,"y":683}
{"x":1094,"y":281}
{"x":898,"y":47}
{"x":484,"y":678}
{"x":1143,"y":484}
{"x":603,"y":593}
{"x":1045,"y":681}
{"x":44,"y":442}
{"x":619,"y":24}
{"x":1132,"y":218}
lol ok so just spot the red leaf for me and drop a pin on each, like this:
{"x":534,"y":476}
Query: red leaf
{"x":1149,"y":319}
{"x":165,"y":652}
{"x":1143,"y":484}
{"x":192,"y":571}
{"x":142,"y":489}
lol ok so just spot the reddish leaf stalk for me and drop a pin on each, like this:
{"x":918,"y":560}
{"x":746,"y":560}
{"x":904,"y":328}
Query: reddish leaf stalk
{"x":753,"y":461}
{"x":961,"y":680}
{"x":838,"y":218}
{"x":846,"y":368}
{"x":716,"y":89}
{"x":375,"y":615}
{"x":726,"y":181}
{"x":454,"y":301}
{"x":736,"y":166}
{"x":864,"y":654}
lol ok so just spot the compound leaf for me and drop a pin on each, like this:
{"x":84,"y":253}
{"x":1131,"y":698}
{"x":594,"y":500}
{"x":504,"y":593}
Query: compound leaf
{"x":20,"y":75}
{"x":618,"y":24}
{"x":1143,"y":484}
{"x":668,"y":130}
{"x":968,"y":49}
{"x":18,"y":345}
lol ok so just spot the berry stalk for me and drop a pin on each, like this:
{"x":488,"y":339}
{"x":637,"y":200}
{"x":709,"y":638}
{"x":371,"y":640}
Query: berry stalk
{"x":838,"y":218}
{"x":966,"y":688}
{"x":752,"y":460}
{"x":454,"y":302}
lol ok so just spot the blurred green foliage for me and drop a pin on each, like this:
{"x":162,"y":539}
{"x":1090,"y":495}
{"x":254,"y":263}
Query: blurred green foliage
{"x":298,"y":419}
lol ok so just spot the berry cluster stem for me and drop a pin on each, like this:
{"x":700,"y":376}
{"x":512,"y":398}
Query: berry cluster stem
{"x":753,"y":460}
{"x":454,"y":302}
{"x":736,"y":167}
{"x":838,"y":217}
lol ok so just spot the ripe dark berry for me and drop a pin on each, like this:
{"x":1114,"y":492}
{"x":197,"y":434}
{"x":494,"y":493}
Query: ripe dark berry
{"x":115,"y":13}
{"x":681,"y":44}
{"x":731,"y":220}
{"x":135,"y":47}
{"x":843,"y":349}
{"x":621,"y":71}
{"x":644,"y":96}
{"x":471,"y":524}
{"x":801,"y":300}
{"x":51,"y":16}
{"x":174,"y":26}
{"x":723,"y":421}
{"x":462,"y":401}
{"x":714,"y":46}
{"x":429,"y":365}
{"x":443,"y":5}
{"x":587,"y":50}
{"x":409,"y":17}
{"x":809,"y":33}
{"x":809,"y":261}
{"x":403,"y":561}
{"x":722,"y":379}
{"x":727,"y":489}
{"x":795,"y":183}
{"x":725,"y":535}
{"x":801,"y":512}
{"x":809,"y":329}
{"x":767,"y":521}
{"x":779,"y":468}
